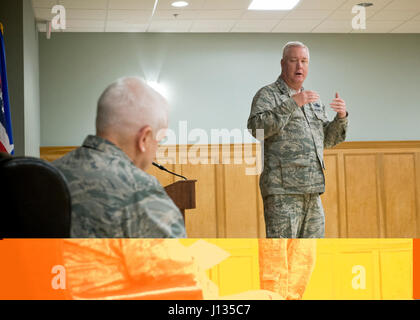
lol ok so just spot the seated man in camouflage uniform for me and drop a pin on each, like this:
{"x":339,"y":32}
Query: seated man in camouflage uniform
{"x":296,"y":131}
{"x":112,"y":195}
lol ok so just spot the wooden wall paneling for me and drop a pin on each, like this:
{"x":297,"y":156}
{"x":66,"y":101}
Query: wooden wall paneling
{"x":163,"y":177}
{"x":202,"y":221}
{"x":260,"y":209}
{"x":380,"y":195}
{"x":329,"y":198}
{"x":342,"y":196}
{"x":181,"y":160}
{"x":378,"y":145}
{"x":241,"y":202}
{"x":53,"y":153}
{"x":253,"y":159}
{"x":242,"y":209}
{"x":166,"y":156}
{"x":361,"y":190}
{"x":372,"y":188}
{"x":220,"y":201}
{"x":400,"y":195}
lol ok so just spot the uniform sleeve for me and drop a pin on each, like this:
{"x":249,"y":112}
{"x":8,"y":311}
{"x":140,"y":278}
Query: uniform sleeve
{"x":268,"y":114}
{"x":152,"y":214}
{"x":334,"y":131}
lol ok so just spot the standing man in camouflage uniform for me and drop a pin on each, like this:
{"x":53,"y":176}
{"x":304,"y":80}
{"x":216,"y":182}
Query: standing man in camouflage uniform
{"x":296,"y":131}
{"x":112,"y":195}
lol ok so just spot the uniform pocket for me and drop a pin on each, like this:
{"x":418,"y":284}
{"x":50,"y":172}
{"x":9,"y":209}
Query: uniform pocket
{"x":320,"y":115}
{"x":319,"y":119}
{"x":296,"y":173}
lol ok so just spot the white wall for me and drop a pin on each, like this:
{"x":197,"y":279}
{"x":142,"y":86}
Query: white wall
{"x":211,"y":78}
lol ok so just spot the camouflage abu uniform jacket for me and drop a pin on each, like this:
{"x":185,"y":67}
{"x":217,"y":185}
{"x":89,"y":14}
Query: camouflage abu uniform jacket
{"x":112,"y":198}
{"x":294,"y":140}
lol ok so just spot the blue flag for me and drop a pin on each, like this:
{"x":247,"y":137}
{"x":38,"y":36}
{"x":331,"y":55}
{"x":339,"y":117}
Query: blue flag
{"x":6,"y":138}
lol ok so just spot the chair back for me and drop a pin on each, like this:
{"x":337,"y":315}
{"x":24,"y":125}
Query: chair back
{"x":35,"y":199}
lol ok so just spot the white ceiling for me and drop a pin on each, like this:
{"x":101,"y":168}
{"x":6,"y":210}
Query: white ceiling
{"x":316,"y":16}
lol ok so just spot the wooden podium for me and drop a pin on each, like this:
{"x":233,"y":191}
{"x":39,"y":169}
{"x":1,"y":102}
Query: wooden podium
{"x":182,"y":193}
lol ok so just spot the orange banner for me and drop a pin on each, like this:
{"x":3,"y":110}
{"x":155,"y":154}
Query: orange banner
{"x":97,"y":269}
{"x":209,"y":269}
{"x":26,"y":269}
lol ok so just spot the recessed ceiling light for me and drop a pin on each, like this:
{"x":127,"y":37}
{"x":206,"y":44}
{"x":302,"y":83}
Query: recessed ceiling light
{"x":273,"y":4}
{"x":179,"y":4}
{"x":365,"y":4}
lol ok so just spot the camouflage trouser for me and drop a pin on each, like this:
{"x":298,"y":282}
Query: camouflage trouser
{"x":294,"y":216}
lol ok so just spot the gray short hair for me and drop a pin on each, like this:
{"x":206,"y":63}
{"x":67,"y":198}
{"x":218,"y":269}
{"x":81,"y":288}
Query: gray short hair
{"x":130,"y":101}
{"x":292,"y":44}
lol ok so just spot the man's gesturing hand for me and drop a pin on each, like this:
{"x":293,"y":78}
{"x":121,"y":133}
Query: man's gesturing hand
{"x":305,"y":97}
{"x":339,"y":106}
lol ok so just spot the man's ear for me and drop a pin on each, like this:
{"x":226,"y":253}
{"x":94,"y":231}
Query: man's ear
{"x":145,"y":135}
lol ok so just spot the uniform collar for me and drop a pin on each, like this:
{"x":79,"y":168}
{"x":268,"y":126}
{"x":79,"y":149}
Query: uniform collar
{"x":103,"y":145}
{"x":284,"y":88}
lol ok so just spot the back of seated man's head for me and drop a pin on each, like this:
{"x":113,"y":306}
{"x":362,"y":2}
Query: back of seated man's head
{"x":134,"y":117}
